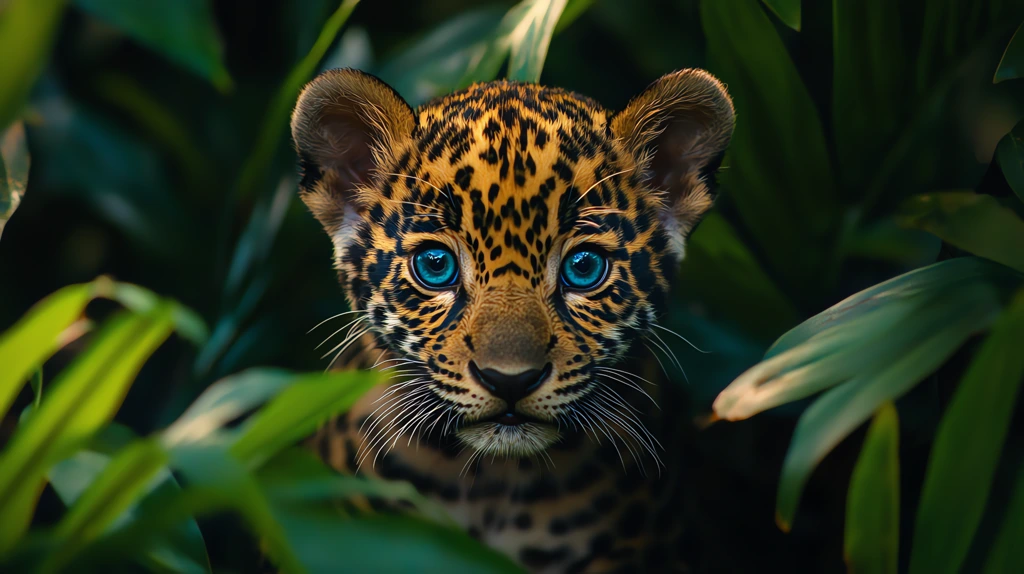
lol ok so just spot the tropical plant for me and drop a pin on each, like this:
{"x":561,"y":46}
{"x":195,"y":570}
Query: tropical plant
{"x":875,"y":163}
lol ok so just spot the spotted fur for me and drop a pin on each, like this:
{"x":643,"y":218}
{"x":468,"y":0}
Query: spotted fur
{"x":512,"y":177}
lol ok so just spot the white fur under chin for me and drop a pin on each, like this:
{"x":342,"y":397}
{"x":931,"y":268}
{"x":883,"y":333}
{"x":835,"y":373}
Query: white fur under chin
{"x":509,"y":441}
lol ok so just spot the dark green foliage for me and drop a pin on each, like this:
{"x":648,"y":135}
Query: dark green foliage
{"x":872,"y":144}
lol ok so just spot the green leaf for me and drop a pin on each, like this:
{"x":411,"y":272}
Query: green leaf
{"x":778,"y":172}
{"x":530,"y":38}
{"x":33,"y":339}
{"x":299,"y":410}
{"x":457,"y":53}
{"x":217,"y":480}
{"x":84,"y":397}
{"x":868,"y":85}
{"x":275,"y":121}
{"x":226,"y":400}
{"x":867,"y":331}
{"x":182,"y":30}
{"x":369,"y":545}
{"x":125,"y":478}
{"x":967,"y":447}
{"x":27,"y":32}
{"x":973,"y":222}
{"x":37,"y":387}
{"x":1007,"y":553}
{"x":935,"y":278}
{"x":932,"y":336}
{"x":181,"y":549}
{"x":787,"y":10}
{"x":297,"y":476}
{"x":1010,"y":154}
{"x":872,"y":536}
{"x":14,"y":162}
{"x":1011,"y":65}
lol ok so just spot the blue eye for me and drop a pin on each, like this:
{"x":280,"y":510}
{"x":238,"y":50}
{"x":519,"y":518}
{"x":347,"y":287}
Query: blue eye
{"x":435,"y":267}
{"x":584,"y":269}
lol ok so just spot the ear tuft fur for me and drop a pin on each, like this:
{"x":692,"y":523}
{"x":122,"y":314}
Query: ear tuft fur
{"x":677,"y":131}
{"x":347,"y":125}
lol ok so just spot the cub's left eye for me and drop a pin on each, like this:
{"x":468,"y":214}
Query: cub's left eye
{"x":584,"y":269}
{"x":435,"y":267}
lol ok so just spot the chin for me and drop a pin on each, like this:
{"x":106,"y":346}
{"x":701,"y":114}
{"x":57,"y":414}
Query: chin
{"x":509,"y":441}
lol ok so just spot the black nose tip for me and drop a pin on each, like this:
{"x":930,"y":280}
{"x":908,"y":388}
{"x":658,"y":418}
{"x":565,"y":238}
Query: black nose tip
{"x":510,"y":388}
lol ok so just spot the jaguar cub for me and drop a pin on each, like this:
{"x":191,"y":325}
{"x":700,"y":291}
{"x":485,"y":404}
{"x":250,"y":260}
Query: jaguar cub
{"x":507,"y":251}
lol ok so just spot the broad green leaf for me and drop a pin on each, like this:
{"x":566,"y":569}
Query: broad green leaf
{"x":937,"y":333}
{"x":215,"y":480}
{"x":187,"y":323}
{"x":125,"y":478}
{"x":298,"y":410}
{"x":1010,"y":154}
{"x":778,"y":172}
{"x":180,"y":549}
{"x":27,"y":32}
{"x":787,"y":10}
{"x":872,"y":536}
{"x":1007,"y":553}
{"x":973,"y":222}
{"x":182,"y":30}
{"x":885,"y":240}
{"x":530,"y":38}
{"x":297,"y":476}
{"x":321,"y":542}
{"x":275,"y":121}
{"x":867,"y":331}
{"x":301,"y":489}
{"x":967,"y":447}
{"x":14,"y":163}
{"x":935,"y":278}
{"x":1011,"y":65}
{"x":453,"y":55}
{"x":32,"y":340}
{"x":868,"y":83}
{"x":84,"y":397}
{"x":226,"y":400}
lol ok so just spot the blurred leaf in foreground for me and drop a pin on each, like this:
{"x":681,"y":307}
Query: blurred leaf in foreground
{"x":1011,"y":65}
{"x":872,"y":536}
{"x":180,"y":550}
{"x":14,"y":163}
{"x":27,"y":29}
{"x":1010,"y":154}
{"x":967,"y":448}
{"x":84,"y":397}
{"x":973,"y":222}
{"x":182,"y":30}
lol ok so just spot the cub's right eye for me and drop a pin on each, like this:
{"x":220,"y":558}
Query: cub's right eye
{"x":435,"y":267}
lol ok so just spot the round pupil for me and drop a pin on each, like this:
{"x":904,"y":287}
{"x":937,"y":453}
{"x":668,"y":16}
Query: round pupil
{"x":583,"y":269}
{"x":436,"y":267}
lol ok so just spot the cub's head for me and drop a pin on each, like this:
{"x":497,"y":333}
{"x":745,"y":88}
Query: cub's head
{"x":509,"y":241}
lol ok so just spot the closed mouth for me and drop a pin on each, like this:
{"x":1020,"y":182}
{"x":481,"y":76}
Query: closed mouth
{"x":510,"y":418}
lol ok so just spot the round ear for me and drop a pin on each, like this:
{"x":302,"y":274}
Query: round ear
{"x":346,"y":125}
{"x":677,"y":131}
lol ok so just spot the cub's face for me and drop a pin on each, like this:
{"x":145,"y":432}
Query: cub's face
{"x":508,"y":243}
